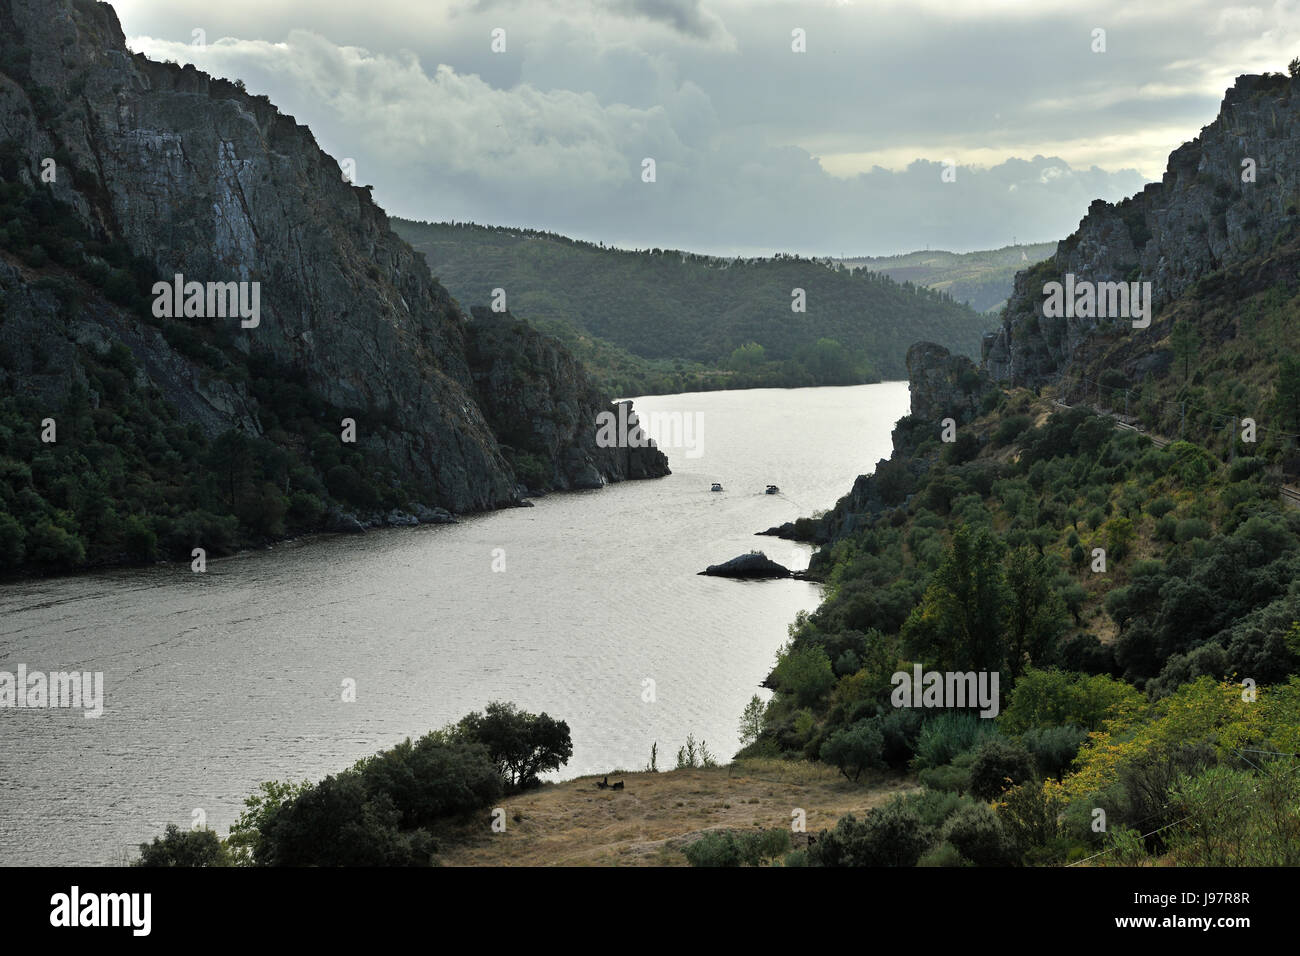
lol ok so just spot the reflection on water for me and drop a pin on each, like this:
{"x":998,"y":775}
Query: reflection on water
{"x":217,"y":681}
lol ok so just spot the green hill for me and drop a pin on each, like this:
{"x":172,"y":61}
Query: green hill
{"x":663,"y":320}
{"x":982,"y":280}
{"x":1103,"y":516}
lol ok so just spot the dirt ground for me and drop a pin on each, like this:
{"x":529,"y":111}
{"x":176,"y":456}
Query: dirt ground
{"x":574,"y":823}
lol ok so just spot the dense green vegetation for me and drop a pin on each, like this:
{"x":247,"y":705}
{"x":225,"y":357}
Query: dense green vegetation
{"x":380,"y":811}
{"x":1230,"y":353}
{"x":1125,"y":690}
{"x":661,"y":320}
{"x":983,"y":280}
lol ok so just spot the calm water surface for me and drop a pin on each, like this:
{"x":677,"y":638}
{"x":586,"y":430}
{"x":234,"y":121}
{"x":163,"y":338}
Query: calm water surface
{"x":217,"y":681}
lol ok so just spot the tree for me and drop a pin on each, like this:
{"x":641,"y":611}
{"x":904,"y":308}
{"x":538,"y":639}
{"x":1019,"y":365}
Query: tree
{"x":1119,"y":536}
{"x":1035,"y":613}
{"x":998,"y":765}
{"x":1293,"y":67}
{"x":804,"y":673}
{"x":432,"y":778}
{"x":751,"y":721}
{"x":51,"y":546}
{"x":1288,"y":389}
{"x":177,"y":847}
{"x":957,"y":626}
{"x":259,"y":810}
{"x":12,"y":550}
{"x":522,"y":745}
{"x":1185,"y":341}
{"x":854,"y":749}
{"x":747,"y":357}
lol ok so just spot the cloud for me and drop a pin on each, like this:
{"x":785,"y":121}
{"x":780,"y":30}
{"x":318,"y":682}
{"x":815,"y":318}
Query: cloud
{"x":686,"y":16}
{"x":757,"y":148}
{"x":690,"y":18}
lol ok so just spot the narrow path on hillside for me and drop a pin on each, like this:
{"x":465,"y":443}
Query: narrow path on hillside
{"x":1290,"y":494}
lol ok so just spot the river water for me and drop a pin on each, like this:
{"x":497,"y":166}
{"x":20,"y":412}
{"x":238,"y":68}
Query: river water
{"x":214,"y":682}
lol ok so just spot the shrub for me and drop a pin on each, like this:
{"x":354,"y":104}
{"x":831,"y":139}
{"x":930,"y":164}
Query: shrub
{"x":1053,"y":748}
{"x":1011,"y":428}
{"x":1047,"y":698}
{"x":934,"y":807}
{"x":1085,"y":654}
{"x":891,"y":835}
{"x":999,"y":764}
{"x":764,"y":846}
{"x":943,"y":854}
{"x":177,"y":847}
{"x":949,"y":777}
{"x":432,"y":778}
{"x":1190,"y":529}
{"x":335,"y":823}
{"x":715,"y":848}
{"x":1160,"y":507}
{"x":1030,"y":816}
{"x":945,"y":736}
{"x":1238,"y":818}
{"x":978,"y":835}
{"x":899,"y":730}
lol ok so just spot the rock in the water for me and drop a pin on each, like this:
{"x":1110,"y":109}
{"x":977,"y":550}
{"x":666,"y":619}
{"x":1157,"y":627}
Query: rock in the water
{"x":753,"y":565}
{"x":400,"y":519}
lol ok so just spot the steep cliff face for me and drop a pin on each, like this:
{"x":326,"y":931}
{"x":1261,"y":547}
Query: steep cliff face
{"x":1211,"y":209}
{"x":1199,"y":236}
{"x":541,"y":402}
{"x":943,"y":385}
{"x":206,"y":181}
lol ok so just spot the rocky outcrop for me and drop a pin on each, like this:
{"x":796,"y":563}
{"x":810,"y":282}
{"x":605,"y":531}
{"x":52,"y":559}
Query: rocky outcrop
{"x":544,"y":407}
{"x":206,"y":181}
{"x":1225,"y":196}
{"x":943,"y":385}
{"x":755,"y":565}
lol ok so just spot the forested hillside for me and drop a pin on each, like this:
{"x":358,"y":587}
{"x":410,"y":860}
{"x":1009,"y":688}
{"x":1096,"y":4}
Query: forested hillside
{"x":1102,"y":515}
{"x":664,"y":320}
{"x":982,"y":279}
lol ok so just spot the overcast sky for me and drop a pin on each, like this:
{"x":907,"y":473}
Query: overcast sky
{"x":838,"y":150}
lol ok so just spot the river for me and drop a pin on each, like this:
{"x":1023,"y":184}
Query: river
{"x":214,"y":682}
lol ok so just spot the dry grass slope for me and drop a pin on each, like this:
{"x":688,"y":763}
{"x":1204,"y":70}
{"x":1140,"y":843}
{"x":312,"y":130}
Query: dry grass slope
{"x":648,"y":823}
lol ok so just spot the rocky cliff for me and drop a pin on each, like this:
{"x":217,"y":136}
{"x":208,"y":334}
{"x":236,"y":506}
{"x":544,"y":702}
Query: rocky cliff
{"x":1212,"y":217}
{"x":1227,"y":195}
{"x":198,"y":178}
{"x":541,"y":402}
